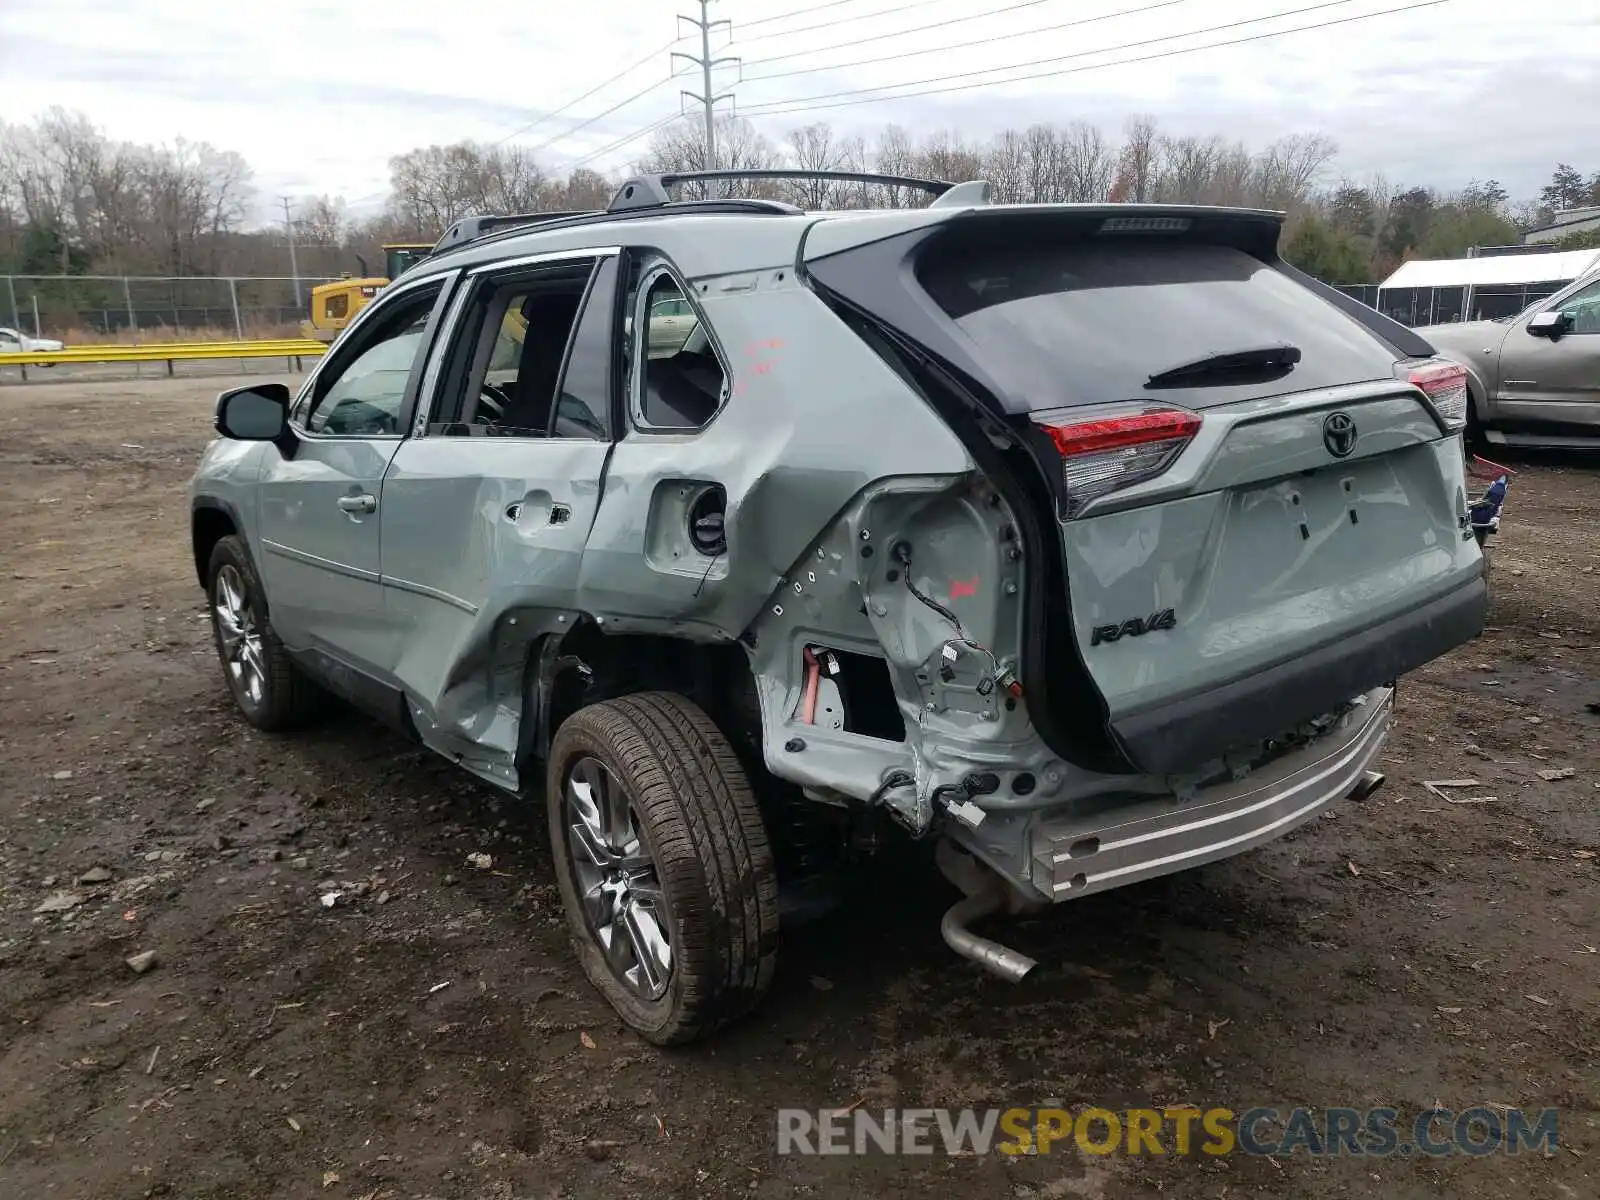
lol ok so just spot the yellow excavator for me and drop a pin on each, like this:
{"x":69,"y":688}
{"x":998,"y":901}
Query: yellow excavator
{"x":333,"y":304}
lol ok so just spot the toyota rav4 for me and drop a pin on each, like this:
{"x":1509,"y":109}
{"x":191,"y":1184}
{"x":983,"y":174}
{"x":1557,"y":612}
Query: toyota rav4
{"x":1086,"y":541}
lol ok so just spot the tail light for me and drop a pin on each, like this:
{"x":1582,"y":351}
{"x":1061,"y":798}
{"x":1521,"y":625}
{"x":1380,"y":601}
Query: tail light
{"x":1104,"y":454}
{"x":1444,"y":383}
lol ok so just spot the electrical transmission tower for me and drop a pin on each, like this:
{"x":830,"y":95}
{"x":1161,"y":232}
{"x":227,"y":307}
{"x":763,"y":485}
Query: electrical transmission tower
{"x":705,"y":62}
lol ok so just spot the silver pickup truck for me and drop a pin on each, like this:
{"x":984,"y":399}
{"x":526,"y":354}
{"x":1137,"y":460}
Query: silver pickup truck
{"x":1533,"y":379}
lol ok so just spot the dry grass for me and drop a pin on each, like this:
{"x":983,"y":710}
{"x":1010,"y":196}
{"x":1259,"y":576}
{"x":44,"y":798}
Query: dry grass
{"x":162,"y":334}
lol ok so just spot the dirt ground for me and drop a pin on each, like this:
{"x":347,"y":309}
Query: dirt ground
{"x":430,"y":1036}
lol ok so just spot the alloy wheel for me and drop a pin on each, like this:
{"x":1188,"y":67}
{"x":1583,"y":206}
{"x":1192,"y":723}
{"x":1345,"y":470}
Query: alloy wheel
{"x":618,"y":888}
{"x":239,"y":636}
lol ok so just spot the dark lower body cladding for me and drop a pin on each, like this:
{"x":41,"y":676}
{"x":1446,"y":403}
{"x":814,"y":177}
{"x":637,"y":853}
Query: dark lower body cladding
{"x":1180,"y":735}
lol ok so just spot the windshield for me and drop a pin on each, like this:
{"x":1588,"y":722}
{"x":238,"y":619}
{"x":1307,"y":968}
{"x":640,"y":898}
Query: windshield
{"x":1544,"y":300}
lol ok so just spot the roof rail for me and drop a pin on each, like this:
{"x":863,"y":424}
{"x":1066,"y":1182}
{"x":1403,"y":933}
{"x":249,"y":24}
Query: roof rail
{"x":650,"y":191}
{"x":470,"y":229}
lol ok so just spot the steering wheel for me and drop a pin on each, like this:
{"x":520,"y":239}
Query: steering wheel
{"x":493,"y":402}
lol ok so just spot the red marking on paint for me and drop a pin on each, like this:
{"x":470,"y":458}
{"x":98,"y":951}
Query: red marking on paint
{"x":959,"y":589}
{"x":763,"y":368}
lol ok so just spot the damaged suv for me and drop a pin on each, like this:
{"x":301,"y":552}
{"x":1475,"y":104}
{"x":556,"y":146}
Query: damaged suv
{"x":1087,"y":541}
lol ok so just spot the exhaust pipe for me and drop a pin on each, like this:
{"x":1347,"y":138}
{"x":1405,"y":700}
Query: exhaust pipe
{"x":1367,"y":785}
{"x":992,"y":956}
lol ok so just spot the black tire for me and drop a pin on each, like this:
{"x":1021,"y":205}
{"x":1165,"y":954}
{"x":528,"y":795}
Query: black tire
{"x":1472,"y":439}
{"x":286,"y":699}
{"x":694,"y":812}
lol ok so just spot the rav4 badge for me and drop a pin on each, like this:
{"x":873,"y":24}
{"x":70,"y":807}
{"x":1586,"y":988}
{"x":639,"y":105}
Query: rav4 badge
{"x":1134,"y":627}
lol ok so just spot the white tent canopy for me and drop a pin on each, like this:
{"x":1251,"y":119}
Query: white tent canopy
{"x":1508,"y":270}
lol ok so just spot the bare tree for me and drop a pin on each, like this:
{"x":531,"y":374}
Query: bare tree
{"x":434,"y":186}
{"x":74,"y":201}
{"x":946,"y":156}
{"x":1230,"y":179}
{"x":1137,"y":166}
{"x":1005,"y":164}
{"x":1287,"y":168}
{"x":853,"y":156}
{"x":1045,"y":181}
{"x":585,"y":189}
{"x":681,"y":146}
{"x":815,"y":148}
{"x":321,"y":221}
{"x":895,"y":154}
{"x":1088,"y":164}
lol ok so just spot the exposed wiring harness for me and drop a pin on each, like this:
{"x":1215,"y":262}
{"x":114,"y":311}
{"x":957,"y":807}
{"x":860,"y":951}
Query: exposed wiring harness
{"x":901,"y":553}
{"x":894,"y":779}
{"x":808,"y":703}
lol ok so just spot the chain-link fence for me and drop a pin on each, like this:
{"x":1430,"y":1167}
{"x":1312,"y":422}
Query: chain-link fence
{"x":1367,"y":293}
{"x":1446,"y":305}
{"x":123,"y":307}
{"x":126,"y":307}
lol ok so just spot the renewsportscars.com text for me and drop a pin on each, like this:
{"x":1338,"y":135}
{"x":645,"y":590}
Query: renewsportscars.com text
{"x":1369,"y":1133}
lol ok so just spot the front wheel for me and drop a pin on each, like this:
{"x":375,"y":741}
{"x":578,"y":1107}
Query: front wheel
{"x":268,"y":688}
{"x":665,"y":870}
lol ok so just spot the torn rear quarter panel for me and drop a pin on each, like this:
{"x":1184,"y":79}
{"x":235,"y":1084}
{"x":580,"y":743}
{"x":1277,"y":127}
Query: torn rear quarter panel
{"x":813,"y":419}
{"x":813,"y":423}
{"x":850,"y":592}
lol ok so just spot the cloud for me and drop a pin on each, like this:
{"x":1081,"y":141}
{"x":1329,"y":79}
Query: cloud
{"x":318,"y":96}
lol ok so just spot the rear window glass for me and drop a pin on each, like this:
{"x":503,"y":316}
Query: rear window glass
{"x":1091,"y":322}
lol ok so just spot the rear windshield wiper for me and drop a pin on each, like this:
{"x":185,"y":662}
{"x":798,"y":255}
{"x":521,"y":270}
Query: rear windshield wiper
{"x":1254,"y":363}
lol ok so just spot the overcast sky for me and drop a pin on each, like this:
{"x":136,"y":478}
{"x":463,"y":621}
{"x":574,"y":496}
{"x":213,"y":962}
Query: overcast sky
{"x":317,"y":95}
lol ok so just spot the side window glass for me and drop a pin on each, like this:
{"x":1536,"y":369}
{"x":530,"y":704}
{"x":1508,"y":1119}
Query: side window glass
{"x":364,"y":397}
{"x":1583,"y":308}
{"x":583,"y":406}
{"x":681,"y":383}
{"x":524,"y":329}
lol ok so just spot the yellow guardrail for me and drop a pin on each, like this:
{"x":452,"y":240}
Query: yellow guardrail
{"x":167,"y":352}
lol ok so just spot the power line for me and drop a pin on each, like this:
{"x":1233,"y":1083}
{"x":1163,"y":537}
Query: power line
{"x":600,"y":116}
{"x":832,"y":23}
{"x":899,"y":33}
{"x":808,"y":103}
{"x":1039,"y":62}
{"x":963,"y":45}
{"x":806,"y":12}
{"x":623,"y":74}
{"x":623,"y":141}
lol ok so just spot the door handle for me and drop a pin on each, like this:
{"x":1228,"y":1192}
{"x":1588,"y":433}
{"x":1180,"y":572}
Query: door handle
{"x":560,"y":514}
{"x":364,"y":503}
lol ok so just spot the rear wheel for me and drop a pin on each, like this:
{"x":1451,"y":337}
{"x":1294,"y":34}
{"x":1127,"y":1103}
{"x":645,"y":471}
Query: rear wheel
{"x":1472,"y":437}
{"x":664,"y":866}
{"x":269,"y":689}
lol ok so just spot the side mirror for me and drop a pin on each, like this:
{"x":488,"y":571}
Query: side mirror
{"x":258,"y":412}
{"x":1550,"y":324}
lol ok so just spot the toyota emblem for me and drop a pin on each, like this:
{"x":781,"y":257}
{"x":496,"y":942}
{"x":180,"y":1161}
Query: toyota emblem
{"x":1339,"y":434}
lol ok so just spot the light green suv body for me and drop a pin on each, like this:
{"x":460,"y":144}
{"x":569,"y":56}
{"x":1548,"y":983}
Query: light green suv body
{"x":1090,"y":541}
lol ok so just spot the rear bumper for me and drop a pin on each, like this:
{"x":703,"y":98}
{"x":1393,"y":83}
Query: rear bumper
{"x":1181,"y":735}
{"x":1074,"y":856}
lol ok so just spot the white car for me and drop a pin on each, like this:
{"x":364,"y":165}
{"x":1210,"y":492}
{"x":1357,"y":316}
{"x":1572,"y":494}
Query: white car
{"x":14,"y":341}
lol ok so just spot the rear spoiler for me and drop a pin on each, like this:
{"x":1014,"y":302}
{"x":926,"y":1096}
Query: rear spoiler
{"x":1253,"y":230}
